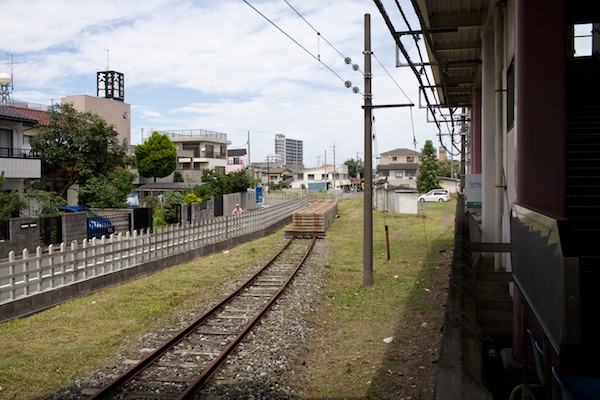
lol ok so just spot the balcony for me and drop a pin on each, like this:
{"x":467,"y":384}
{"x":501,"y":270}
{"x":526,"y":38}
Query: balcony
{"x":20,"y":163}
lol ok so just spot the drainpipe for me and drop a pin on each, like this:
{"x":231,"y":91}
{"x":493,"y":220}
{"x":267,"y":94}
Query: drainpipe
{"x":500,"y":185}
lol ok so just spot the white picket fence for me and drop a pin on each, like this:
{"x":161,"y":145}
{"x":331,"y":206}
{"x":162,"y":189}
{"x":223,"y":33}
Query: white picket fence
{"x":54,"y":267}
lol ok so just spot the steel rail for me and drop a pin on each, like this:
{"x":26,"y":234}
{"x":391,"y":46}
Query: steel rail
{"x":149,"y":359}
{"x":212,"y":367}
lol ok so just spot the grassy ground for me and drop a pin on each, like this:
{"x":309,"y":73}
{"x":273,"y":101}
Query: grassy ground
{"x":44,"y":352}
{"x":349,"y":359}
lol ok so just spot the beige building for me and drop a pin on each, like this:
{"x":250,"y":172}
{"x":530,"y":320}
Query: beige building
{"x":400,"y":167}
{"x":115,"y":112}
{"x":197,"y":150}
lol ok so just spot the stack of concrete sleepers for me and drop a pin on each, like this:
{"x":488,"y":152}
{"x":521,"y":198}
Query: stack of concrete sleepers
{"x":314,"y":219}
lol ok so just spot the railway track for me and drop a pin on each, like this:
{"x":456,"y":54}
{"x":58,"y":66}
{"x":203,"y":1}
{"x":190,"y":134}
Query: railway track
{"x":182,"y":365}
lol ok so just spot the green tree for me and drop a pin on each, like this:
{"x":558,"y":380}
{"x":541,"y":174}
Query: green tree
{"x":444,"y":168}
{"x":10,"y":202}
{"x":37,"y":200}
{"x":427,"y":175}
{"x":177,"y":177}
{"x":354,"y":168}
{"x":110,"y":191}
{"x":156,"y":157}
{"x":239,"y":181}
{"x":74,"y":144}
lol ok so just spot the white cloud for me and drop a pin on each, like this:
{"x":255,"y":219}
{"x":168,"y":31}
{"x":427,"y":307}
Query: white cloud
{"x":219,"y":65}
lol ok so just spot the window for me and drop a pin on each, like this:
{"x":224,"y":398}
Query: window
{"x":394,"y":158}
{"x":583,"y":39}
{"x":410,"y":159}
{"x":399,"y":174}
{"x":311,"y":177}
{"x":220,"y":170}
{"x":236,"y":160}
{"x":384,"y":173}
{"x":209,"y":151}
{"x":6,"y":146}
{"x":510,"y":96}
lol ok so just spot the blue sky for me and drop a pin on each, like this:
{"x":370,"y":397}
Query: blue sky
{"x":219,"y":65}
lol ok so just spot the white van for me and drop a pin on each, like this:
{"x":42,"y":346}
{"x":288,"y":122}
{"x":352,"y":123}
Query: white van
{"x":436,"y":195}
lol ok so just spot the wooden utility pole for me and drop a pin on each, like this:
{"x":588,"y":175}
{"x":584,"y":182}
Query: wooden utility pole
{"x":368,"y":172}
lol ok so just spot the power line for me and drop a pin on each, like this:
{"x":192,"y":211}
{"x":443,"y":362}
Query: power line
{"x":348,"y":84}
{"x":355,"y":66}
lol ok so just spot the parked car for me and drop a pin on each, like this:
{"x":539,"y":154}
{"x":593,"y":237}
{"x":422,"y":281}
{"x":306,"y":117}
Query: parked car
{"x":97,"y":225}
{"x":436,"y":195}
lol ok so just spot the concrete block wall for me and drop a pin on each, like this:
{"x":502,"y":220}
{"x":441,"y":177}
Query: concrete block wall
{"x":74,"y":227}
{"x":24,"y":234}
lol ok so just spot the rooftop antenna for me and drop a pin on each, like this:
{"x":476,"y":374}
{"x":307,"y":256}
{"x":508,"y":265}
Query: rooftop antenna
{"x":107,"y":51}
{"x":12,"y":63}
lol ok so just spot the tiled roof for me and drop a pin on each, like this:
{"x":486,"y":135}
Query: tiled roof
{"x":42,"y":117}
{"x":401,"y":152}
{"x":14,"y":115}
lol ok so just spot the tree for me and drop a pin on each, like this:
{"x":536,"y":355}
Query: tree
{"x":38,"y":200}
{"x":156,"y":157}
{"x":354,"y":168}
{"x":427,"y":176}
{"x":107,"y":192}
{"x":444,"y":168}
{"x":74,"y":144}
{"x":239,"y":181}
{"x":177,"y":177}
{"x":10,"y":202}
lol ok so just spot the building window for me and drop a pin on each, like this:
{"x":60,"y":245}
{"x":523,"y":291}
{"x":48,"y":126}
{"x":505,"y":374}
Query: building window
{"x":236,"y":161}
{"x":209,"y":151}
{"x":220,"y":170}
{"x":510,"y":96}
{"x":399,"y":174}
{"x":410,"y":174}
{"x":410,"y":159}
{"x":394,"y":158}
{"x":384,"y":173}
{"x":311,"y":177}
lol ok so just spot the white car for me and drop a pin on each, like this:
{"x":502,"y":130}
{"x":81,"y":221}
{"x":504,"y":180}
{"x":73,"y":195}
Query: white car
{"x":435,"y":195}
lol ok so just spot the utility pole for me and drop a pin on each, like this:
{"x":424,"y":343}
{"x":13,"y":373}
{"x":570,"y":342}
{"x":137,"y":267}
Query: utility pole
{"x":249,"y":163}
{"x":368,"y":173}
{"x":325,"y":166}
{"x":334,"y":168}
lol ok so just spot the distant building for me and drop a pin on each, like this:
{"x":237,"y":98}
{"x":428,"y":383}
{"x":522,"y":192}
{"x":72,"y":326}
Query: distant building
{"x":400,"y":167}
{"x":331,"y":177}
{"x":109,"y":103}
{"x":291,"y":151}
{"x":237,"y":160}
{"x":197,"y":150}
{"x":19,"y":164}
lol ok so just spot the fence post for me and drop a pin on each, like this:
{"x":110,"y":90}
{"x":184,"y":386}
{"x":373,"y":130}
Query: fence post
{"x":11,"y":274}
{"x":38,"y":267}
{"x":74,"y":260}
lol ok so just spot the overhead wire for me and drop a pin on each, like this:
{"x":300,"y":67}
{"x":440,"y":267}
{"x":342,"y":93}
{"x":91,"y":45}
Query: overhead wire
{"x":317,"y":58}
{"x":407,"y":97}
{"x":430,"y":107}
